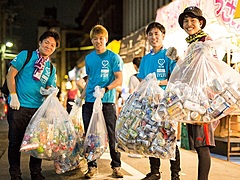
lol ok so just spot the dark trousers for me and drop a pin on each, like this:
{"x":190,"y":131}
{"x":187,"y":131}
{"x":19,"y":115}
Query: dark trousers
{"x":175,"y":164}
{"x":204,"y":162}
{"x":18,"y":121}
{"x":109,"y":113}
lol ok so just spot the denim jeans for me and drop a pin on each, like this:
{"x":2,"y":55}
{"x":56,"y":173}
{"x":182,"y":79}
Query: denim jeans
{"x":18,"y":121}
{"x":109,"y":113}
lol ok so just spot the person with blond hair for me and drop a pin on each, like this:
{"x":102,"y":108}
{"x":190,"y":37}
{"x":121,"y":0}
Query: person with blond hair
{"x":104,"y":69}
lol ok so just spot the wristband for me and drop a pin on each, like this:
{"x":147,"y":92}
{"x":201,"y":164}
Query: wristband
{"x":106,"y":89}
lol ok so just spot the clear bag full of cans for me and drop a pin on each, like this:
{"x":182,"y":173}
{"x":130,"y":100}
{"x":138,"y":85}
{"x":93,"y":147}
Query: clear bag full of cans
{"x":96,"y":140}
{"x":201,"y":88}
{"x":76,"y":160}
{"x":137,"y":131}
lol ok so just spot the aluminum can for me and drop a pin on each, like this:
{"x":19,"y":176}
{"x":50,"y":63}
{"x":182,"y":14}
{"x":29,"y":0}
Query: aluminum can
{"x":195,"y":116}
{"x":202,"y":110}
{"x":234,"y":91}
{"x":174,"y":108}
{"x":192,"y":106}
{"x":152,"y":149}
{"x":146,"y":143}
{"x":217,"y":85}
{"x":217,"y":102}
{"x":206,"y":119}
{"x":229,"y":98}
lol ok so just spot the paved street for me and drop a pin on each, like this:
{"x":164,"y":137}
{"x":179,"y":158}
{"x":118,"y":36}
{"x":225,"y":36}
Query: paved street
{"x":3,"y":136}
{"x":133,"y":168}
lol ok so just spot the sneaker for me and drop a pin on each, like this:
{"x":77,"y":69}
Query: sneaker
{"x":37,"y":177}
{"x":151,"y":176}
{"x":116,"y":173}
{"x":91,"y":172}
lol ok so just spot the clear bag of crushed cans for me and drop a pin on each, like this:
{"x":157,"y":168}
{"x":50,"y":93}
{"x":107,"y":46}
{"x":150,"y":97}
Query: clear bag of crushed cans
{"x":50,"y":132}
{"x":201,"y":88}
{"x":76,"y":160}
{"x":137,"y":131}
{"x":96,"y":140}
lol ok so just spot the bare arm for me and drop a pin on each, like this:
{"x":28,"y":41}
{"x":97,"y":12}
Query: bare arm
{"x":12,"y":72}
{"x":117,"y":82}
{"x":163,"y":82}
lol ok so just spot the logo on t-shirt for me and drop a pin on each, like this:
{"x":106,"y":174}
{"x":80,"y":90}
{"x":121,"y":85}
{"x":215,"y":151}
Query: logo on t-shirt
{"x":105,"y":63}
{"x":104,"y":70}
{"x":161,"y":72}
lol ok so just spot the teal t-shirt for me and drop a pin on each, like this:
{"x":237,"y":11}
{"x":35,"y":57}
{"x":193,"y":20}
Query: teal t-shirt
{"x":100,"y":69}
{"x":28,"y":89}
{"x":158,"y":63}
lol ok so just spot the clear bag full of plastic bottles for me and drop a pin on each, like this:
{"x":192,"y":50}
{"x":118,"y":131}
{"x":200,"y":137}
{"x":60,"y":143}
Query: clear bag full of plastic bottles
{"x":50,"y":132}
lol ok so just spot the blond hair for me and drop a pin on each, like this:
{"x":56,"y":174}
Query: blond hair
{"x":98,"y":29}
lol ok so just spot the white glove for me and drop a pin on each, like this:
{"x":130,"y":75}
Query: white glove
{"x":14,"y":102}
{"x":78,"y":102}
{"x":49,"y":91}
{"x":172,"y":53}
{"x":102,"y":92}
{"x":99,"y":92}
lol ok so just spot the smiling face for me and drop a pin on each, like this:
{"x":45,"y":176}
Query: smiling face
{"x":192,"y":25}
{"x":99,"y":42}
{"x":155,"y":38}
{"x":47,"y":46}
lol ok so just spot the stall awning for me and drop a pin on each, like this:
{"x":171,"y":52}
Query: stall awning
{"x":133,"y":46}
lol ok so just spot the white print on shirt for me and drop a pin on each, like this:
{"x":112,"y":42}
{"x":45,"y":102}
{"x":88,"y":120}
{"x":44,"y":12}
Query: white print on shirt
{"x":104,"y":70}
{"x":45,"y":77}
{"x":161,"y":72}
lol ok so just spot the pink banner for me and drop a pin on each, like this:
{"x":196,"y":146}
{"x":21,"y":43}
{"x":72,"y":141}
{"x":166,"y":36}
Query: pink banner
{"x":217,"y":12}
{"x":224,"y":11}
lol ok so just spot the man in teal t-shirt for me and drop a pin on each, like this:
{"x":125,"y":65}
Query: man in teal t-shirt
{"x":24,"y":84}
{"x":158,"y":62}
{"x":104,"y":69}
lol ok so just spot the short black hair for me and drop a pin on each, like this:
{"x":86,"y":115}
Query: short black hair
{"x":51,"y":33}
{"x":137,"y":61}
{"x":156,"y":25}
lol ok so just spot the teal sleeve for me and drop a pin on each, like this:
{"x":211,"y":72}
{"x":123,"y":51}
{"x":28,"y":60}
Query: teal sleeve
{"x":52,"y":79}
